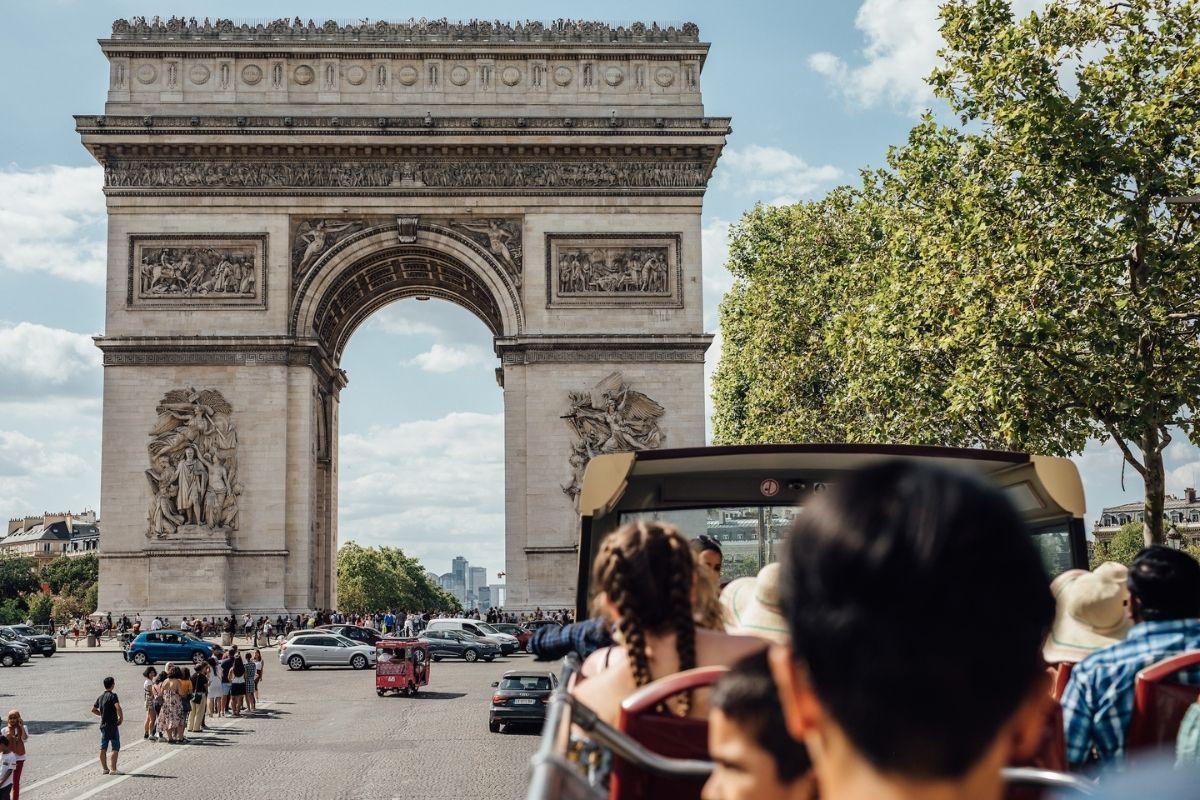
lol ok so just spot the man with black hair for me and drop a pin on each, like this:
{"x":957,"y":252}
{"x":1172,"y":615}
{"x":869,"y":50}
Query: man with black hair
{"x":1164,"y":600}
{"x":916,"y":606}
{"x":755,"y":757}
{"x":708,"y":552}
{"x":108,"y":708}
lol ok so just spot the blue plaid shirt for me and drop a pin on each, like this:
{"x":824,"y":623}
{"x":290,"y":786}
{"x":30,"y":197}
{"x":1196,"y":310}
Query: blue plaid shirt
{"x":551,"y":642}
{"x":1098,"y":701}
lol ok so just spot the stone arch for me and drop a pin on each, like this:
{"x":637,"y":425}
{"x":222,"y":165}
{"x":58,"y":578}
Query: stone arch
{"x":372,"y":268}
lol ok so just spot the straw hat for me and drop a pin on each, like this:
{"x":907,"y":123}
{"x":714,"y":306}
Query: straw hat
{"x":1091,"y":611}
{"x":752,"y":606}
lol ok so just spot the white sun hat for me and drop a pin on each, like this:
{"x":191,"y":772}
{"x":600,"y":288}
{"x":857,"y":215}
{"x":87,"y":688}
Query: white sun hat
{"x":1091,"y":611}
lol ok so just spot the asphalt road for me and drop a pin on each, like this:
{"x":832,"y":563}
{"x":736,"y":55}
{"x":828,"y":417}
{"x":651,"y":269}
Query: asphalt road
{"x":321,"y":733}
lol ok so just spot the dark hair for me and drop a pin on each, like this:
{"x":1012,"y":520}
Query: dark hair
{"x":1166,"y":584}
{"x":747,"y":696}
{"x":109,"y":682}
{"x":917,"y":604}
{"x":3,"y":741}
{"x":148,"y":671}
{"x":174,"y":673}
{"x":705,"y":542}
{"x":646,"y":571}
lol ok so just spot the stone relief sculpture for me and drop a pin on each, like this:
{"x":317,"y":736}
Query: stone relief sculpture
{"x":314,"y":237}
{"x":609,"y":418}
{"x":613,"y":270}
{"x":193,"y":467}
{"x":501,"y":237}
{"x":195,"y":271}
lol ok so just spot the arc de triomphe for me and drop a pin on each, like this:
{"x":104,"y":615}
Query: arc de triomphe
{"x":270,"y":186}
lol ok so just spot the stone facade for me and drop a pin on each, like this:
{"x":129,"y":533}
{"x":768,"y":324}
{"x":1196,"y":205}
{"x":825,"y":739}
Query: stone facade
{"x":270,"y":187}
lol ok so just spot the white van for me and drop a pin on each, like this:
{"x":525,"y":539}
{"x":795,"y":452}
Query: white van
{"x":508,"y":644}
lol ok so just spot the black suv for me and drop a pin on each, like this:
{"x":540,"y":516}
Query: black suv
{"x":456,"y":644}
{"x":12,"y":654}
{"x":36,"y":642}
{"x":520,"y":697}
{"x":355,"y":633}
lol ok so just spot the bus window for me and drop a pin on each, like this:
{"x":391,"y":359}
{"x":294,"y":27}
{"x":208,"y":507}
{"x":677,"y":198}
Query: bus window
{"x":1054,"y":546}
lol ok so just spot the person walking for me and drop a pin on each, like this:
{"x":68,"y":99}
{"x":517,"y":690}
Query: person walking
{"x":14,"y":730}
{"x":199,"y":698}
{"x":150,"y":695}
{"x":8,"y":767}
{"x":251,"y":670}
{"x":237,"y":684}
{"x":185,"y":697}
{"x":108,"y":708}
{"x":258,"y":673}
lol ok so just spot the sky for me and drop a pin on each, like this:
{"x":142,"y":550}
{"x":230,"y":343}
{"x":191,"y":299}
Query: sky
{"x":817,"y":90}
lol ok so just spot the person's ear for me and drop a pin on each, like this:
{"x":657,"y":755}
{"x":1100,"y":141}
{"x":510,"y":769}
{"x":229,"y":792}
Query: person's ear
{"x":801,"y":709}
{"x":1028,"y":727}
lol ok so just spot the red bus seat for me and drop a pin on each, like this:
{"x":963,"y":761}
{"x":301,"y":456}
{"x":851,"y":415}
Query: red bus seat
{"x":674,"y":737}
{"x":1158,"y":705}
{"x":1049,"y":755}
{"x":1060,"y":675}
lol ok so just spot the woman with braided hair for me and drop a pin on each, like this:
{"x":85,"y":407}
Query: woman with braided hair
{"x":645,"y":573}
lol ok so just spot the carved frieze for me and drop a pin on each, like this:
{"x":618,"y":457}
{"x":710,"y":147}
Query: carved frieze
{"x":501,"y":237}
{"x":196,"y":270}
{"x":193,"y":474}
{"x":637,"y":269}
{"x":312,"y":238}
{"x":611,"y":417}
{"x":438,"y":175}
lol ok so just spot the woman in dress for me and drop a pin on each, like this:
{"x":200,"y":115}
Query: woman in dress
{"x":199,"y":698}
{"x":237,"y":685}
{"x":185,"y":696}
{"x":170,"y":716}
{"x":149,"y":693}
{"x":258,"y":672}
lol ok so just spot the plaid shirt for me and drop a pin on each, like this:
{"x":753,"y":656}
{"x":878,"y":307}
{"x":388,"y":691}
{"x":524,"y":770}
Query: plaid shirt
{"x":551,"y":643}
{"x":1098,"y":701}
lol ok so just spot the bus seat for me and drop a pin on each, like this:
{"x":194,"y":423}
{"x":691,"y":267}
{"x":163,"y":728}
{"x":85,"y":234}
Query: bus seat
{"x":1048,"y":757}
{"x":1060,"y":674}
{"x":1159,"y":705}
{"x":675,"y":737}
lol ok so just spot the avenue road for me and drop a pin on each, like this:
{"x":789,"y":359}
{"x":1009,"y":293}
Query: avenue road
{"x":322,"y":733}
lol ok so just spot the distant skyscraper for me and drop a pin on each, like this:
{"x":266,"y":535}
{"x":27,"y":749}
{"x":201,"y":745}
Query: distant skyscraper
{"x":459,"y":566}
{"x":476,"y":578}
{"x":483,"y":594}
{"x":497,"y":593}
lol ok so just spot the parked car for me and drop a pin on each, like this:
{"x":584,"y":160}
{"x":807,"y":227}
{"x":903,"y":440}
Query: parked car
{"x":325,"y":649}
{"x":167,"y":645}
{"x":520,"y":696}
{"x":36,"y":642}
{"x":459,"y":644}
{"x":355,"y":633}
{"x":512,"y":629}
{"x":13,"y":654}
{"x":535,"y":625}
{"x":508,"y":644}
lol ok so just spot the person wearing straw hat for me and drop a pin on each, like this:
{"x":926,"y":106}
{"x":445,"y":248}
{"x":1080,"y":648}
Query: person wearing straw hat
{"x":752,"y":606}
{"x":1091,"y":611}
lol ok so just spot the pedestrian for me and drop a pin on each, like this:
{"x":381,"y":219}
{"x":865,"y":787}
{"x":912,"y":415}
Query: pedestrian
{"x":251,"y":668}
{"x":258,"y":672}
{"x":237,"y":683}
{"x":150,"y":694}
{"x":199,"y":698}
{"x":108,"y":708}
{"x":216,"y":687}
{"x":185,"y":697}
{"x":8,"y":767}
{"x":16,"y":733}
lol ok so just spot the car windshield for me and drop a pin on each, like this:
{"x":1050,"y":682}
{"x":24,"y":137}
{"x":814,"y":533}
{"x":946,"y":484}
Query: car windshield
{"x":483,"y":626}
{"x":23,"y":630}
{"x":187,"y":637}
{"x":526,"y":683}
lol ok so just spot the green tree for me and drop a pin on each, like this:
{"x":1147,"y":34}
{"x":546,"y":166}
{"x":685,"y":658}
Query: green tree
{"x":1025,"y":279}
{"x":72,"y":575}
{"x":18,"y":575}
{"x":41,"y":608}
{"x":66,"y":608}
{"x":1122,"y":547}
{"x":12,"y":611}
{"x":378,"y":578}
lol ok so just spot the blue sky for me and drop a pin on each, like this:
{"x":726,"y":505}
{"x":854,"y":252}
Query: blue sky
{"x":816,"y":90}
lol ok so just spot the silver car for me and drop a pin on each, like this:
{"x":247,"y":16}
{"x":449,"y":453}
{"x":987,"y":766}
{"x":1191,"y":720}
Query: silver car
{"x":325,"y":650}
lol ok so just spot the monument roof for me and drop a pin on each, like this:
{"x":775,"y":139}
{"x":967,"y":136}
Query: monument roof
{"x":414,"y":31}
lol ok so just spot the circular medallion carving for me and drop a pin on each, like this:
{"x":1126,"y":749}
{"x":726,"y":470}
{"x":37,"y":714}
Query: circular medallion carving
{"x":252,"y":74}
{"x":562,"y":76}
{"x":613,"y":76}
{"x":407,"y":75}
{"x":146,"y":73}
{"x":356,"y":75}
{"x":511,"y":76}
{"x":664,"y":76}
{"x":304,"y":75}
{"x":460,"y":75}
{"x":199,"y":74}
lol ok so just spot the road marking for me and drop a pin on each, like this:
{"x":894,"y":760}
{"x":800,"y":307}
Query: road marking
{"x":92,"y":762}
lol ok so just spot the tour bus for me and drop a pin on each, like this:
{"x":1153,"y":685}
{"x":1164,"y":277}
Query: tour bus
{"x":746,"y":498}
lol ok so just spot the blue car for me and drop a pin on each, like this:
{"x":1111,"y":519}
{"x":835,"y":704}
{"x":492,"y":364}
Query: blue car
{"x":154,"y":646}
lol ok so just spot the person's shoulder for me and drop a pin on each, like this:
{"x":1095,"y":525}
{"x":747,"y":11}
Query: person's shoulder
{"x":725,"y":648}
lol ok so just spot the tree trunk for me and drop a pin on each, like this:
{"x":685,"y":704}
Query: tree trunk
{"x":1152,"y":523}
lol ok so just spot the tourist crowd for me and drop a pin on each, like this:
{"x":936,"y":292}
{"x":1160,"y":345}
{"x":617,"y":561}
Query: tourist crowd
{"x":906,"y":645}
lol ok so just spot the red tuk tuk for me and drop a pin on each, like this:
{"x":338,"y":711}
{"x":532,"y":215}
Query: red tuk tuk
{"x":401,"y":666}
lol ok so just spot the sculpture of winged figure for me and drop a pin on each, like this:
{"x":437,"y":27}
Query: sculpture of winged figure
{"x":609,"y":418}
{"x":502,"y":238}
{"x":193,"y":464}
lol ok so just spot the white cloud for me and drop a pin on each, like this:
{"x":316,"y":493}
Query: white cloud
{"x":714,"y":240}
{"x":771,"y":174}
{"x":41,"y":358}
{"x":450,"y":358}
{"x":22,"y":455}
{"x":52,"y":221}
{"x":902,"y":40}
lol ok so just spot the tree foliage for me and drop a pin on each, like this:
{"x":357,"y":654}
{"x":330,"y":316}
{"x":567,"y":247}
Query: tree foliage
{"x":18,"y":575}
{"x":380,"y":578}
{"x":72,"y":575}
{"x":1016,"y":280}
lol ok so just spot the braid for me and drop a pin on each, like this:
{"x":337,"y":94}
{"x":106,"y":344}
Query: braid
{"x":632,"y":632}
{"x":680,"y":604}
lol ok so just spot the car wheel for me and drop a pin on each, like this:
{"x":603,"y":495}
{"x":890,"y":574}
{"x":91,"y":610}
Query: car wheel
{"x":493,"y":726}
{"x":379,"y":692}
{"x":359,"y":661}
{"x":47,"y":655}
{"x":529,"y":646}
{"x":436,"y":658}
{"x":489,"y":658}
{"x":412,"y":690}
{"x":470,"y":655}
{"x":295,"y":662}
{"x":8,"y":660}
{"x":198,"y":658}
{"x":140,"y":659}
